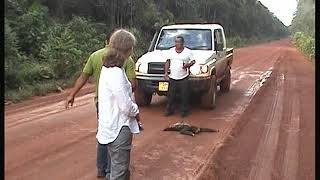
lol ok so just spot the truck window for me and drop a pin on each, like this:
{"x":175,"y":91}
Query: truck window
{"x":218,"y":38}
{"x":195,"y":39}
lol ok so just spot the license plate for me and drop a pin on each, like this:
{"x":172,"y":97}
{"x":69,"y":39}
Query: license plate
{"x":163,"y":86}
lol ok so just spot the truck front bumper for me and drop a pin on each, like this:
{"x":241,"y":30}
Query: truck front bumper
{"x":150,"y":84}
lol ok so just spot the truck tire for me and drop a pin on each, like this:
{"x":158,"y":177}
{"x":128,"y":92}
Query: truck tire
{"x":208,"y":99}
{"x":142,"y":98}
{"x":225,"y":82}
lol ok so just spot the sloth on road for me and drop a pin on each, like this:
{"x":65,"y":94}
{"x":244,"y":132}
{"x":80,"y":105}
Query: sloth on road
{"x":188,"y":129}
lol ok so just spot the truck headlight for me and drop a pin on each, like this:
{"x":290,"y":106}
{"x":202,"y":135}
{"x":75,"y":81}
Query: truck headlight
{"x":204,"y":68}
{"x":195,"y":69}
{"x":138,"y":64}
{"x":141,"y":67}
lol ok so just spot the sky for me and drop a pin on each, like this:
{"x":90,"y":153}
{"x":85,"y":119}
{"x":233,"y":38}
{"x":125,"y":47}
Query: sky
{"x":282,"y":9}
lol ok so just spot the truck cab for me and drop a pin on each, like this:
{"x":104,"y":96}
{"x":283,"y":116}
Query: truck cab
{"x":212,"y":68}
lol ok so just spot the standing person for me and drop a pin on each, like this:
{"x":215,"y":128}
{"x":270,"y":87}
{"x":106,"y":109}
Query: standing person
{"x":180,"y":59}
{"x":93,"y":68}
{"x":118,"y":113}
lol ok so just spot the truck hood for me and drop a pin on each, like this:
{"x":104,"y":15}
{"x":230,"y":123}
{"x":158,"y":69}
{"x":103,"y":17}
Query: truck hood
{"x":160,"y":56}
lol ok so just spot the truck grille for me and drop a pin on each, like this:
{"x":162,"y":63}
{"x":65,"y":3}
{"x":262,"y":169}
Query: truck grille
{"x":156,"y":68}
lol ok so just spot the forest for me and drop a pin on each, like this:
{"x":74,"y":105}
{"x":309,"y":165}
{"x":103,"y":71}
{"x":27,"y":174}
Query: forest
{"x":303,"y":28}
{"x":47,"y":42}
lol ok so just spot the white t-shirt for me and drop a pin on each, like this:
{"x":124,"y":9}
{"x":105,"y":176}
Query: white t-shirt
{"x":116,"y":105}
{"x":176,"y":63}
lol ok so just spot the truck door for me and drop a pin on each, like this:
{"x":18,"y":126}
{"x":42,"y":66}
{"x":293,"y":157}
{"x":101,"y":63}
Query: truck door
{"x":220,"y":49}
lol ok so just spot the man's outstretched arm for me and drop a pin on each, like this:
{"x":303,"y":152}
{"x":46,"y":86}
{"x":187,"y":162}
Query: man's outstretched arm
{"x":81,"y":81}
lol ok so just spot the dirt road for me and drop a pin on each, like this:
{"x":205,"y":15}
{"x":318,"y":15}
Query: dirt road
{"x":266,"y":125}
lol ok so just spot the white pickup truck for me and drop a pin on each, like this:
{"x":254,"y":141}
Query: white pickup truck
{"x":212,"y":67}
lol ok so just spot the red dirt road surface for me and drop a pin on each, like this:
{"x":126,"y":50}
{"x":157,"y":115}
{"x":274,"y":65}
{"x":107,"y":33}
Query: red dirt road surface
{"x":266,"y":125}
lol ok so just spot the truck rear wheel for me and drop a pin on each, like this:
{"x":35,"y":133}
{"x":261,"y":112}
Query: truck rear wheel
{"x":225,"y":83}
{"x":208,"y":99}
{"x":142,"y":98}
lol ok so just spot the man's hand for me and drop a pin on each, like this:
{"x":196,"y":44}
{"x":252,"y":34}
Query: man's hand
{"x":166,"y":76}
{"x":70,"y":100}
{"x":138,"y":117}
{"x":166,"y":69}
{"x":188,"y":65}
{"x":78,"y":85}
{"x":185,"y":65}
{"x":139,"y":123}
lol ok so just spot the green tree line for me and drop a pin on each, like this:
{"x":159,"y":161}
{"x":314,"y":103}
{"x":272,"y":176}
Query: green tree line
{"x":303,"y":27}
{"x":47,"y":42}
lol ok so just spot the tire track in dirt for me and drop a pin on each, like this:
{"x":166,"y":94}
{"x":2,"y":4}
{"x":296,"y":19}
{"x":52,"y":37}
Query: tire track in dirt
{"x":35,"y":102}
{"x":53,"y":124}
{"x":263,"y":162}
{"x":291,"y":159}
{"x":40,"y":113}
{"x":270,"y":140}
{"x":37,"y":153}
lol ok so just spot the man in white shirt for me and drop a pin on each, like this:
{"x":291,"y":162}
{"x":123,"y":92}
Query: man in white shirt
{"x":118,"y":113}
{"x":179,"y":60}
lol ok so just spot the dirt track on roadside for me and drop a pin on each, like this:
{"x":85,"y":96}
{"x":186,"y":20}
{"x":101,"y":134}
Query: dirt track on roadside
{"x":266,"y":129}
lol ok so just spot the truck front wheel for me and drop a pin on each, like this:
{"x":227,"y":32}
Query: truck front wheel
{"x":142,"y":98}
{"x":225,"y":83}
{"x":208,"y":99}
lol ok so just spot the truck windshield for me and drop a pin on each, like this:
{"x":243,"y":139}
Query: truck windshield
{"x":194,"y":39}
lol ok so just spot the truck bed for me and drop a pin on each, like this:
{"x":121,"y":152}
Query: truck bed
{"x":229,"y":54}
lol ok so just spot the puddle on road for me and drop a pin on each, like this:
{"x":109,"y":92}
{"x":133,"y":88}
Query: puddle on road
{"x":257,"y":78}
{"x":258,"y":83}
{"x":244,"y":74}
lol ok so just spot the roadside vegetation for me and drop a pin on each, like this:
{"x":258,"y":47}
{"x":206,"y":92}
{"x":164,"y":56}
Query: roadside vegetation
{"x":303,"y":28}
{"x":237,"y":42}
{"x":48,"y":42}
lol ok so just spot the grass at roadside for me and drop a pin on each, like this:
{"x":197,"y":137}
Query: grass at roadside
{"x":306,"y":44}
{"x":41,"y":89}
